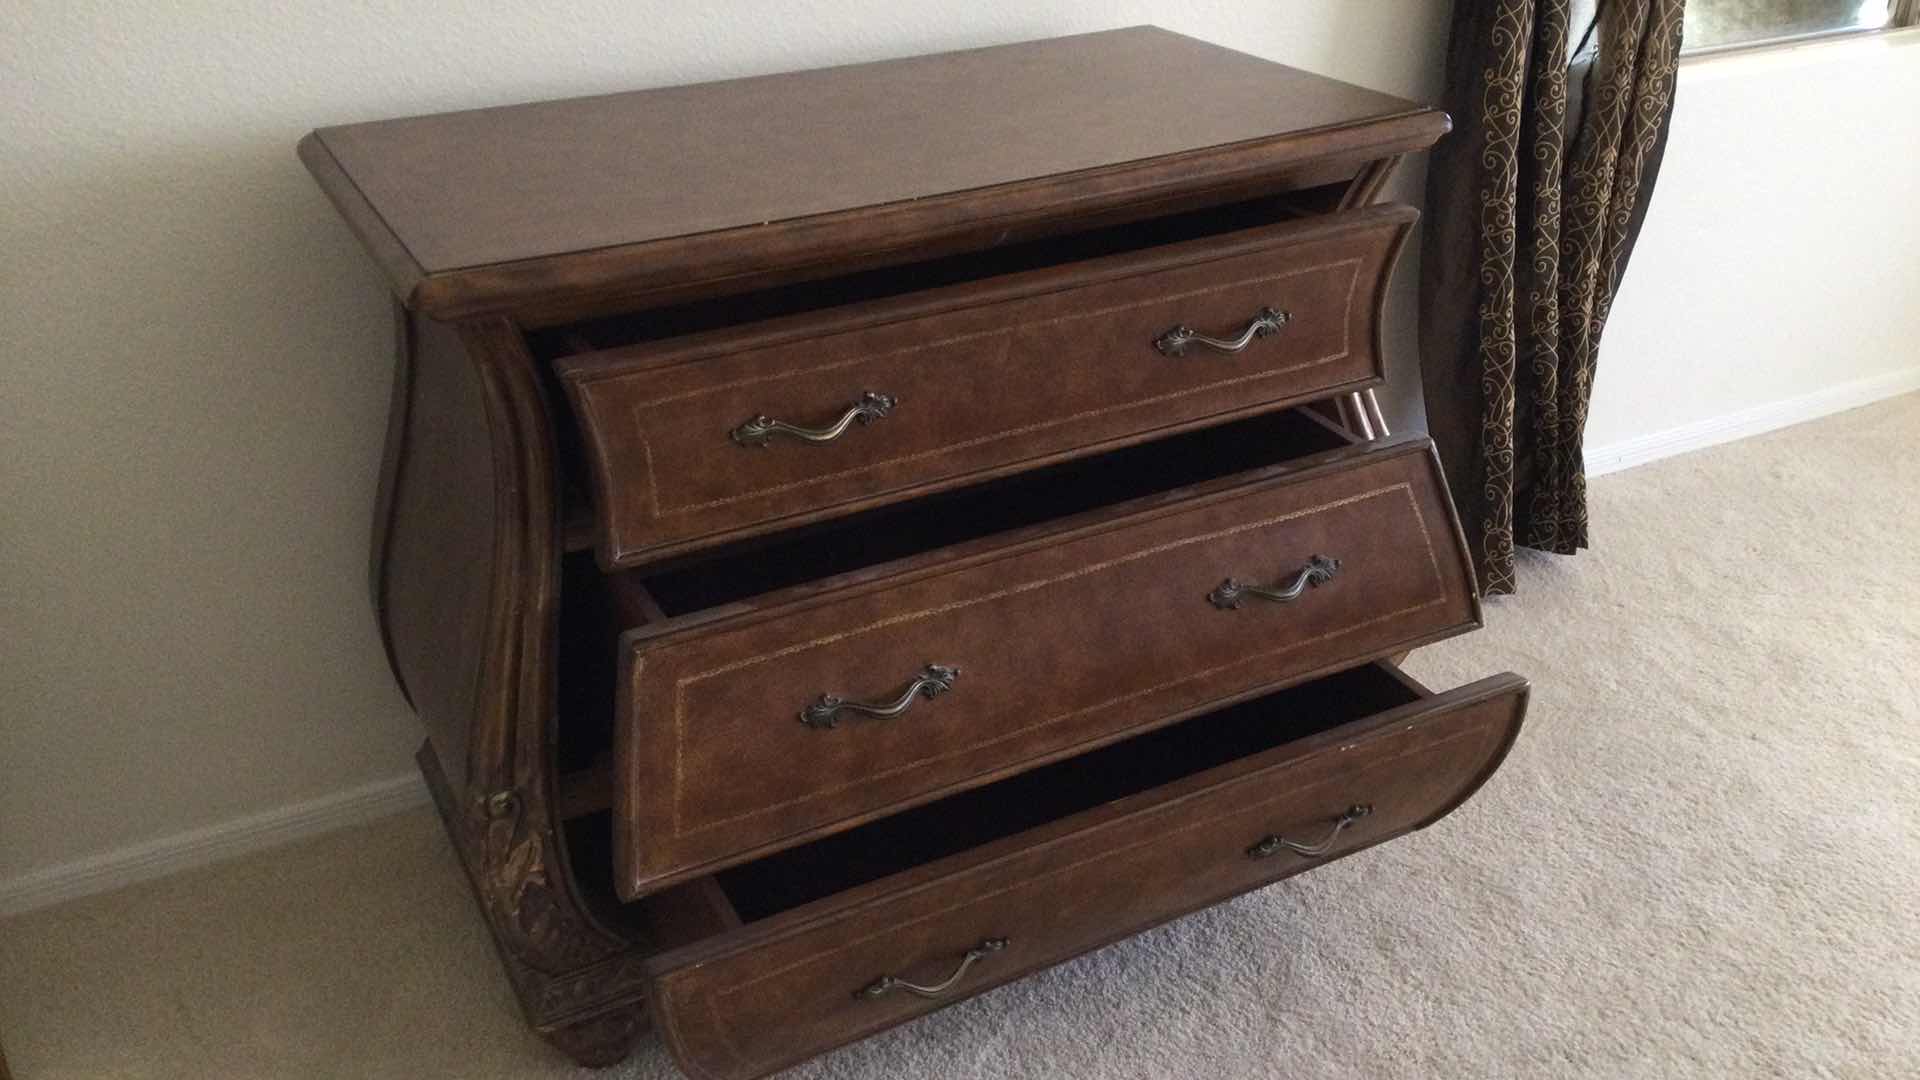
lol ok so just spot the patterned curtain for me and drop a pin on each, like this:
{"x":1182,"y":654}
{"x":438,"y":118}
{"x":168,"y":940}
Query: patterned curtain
{"x":1533,"y":204}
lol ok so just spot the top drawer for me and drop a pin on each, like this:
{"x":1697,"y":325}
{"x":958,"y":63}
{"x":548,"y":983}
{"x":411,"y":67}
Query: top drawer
{"x":739,"y":431}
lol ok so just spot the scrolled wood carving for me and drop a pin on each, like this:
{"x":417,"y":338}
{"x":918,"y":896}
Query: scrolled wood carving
{"x":523,"y":890}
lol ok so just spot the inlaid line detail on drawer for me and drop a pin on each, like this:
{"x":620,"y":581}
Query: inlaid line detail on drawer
{"x":637,"y":410}
{"x":680,"y":827}
{"x":1148,"y":838}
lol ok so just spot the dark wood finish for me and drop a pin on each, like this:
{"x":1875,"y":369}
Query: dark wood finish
{"x":691,"y":912}
{"x":1366,"y":187}
{"x":1065,"y":637}
{"x":466,"y":585}
{"x":746,"y":1003}
{"x":631,"y":168}
{"x":578,"y":531}
{"x":602,"y":1040}
{"x":509,"y":236}
{"x":585,"y":791}
{"x":434,"y":531}
{"x":373,"y":232}
{"x":562,"y":204}
{"x":577,"y":980}
{"x":991,"y":376}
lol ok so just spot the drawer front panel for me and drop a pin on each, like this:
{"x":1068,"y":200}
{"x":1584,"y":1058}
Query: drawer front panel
{"x":893,"y":398}
{"x":779,"y":991}
{"x":1056,"y":643}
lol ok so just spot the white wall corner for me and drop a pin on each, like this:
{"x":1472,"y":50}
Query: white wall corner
{"x":215,"y":843}
{"x":1758,"y":420}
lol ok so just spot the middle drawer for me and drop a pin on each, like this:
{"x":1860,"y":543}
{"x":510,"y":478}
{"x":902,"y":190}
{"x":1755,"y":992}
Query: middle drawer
{"x":754,"y":714}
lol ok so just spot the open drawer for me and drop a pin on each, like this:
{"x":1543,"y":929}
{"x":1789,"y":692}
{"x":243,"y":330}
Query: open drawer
{"x":705,"y":437}
{"x":778,"y":694}
{"x":830,"y":942}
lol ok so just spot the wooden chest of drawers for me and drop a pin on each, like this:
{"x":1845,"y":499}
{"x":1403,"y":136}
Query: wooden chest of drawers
{"x":860,"y":536}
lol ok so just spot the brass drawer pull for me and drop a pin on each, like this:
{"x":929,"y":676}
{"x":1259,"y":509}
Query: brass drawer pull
{"x":933,"y":680}
{"x":1270,"y":844}
{"x":1266,"y":321}
{"x":887,"y":984}
{"x":761,"y":429}
{"x":1318,"y":571}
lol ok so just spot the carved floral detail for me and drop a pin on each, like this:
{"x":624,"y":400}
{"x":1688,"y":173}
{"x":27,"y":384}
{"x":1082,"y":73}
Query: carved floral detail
{"x":521,"y":889}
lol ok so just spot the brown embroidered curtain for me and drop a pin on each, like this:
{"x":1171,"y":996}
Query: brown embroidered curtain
{"x":1533,"y":204}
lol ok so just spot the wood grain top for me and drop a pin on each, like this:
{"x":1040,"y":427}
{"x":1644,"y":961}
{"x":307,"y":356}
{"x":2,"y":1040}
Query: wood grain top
{"x":458,"y":191}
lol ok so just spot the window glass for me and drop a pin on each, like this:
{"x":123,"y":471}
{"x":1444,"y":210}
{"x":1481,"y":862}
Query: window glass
{"x":1713,"y":24}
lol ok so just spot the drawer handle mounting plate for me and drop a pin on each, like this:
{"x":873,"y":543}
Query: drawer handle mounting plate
{"x":1319,"y":570}
{"x":887,"y":984}
{"x":1266,"y":321}
{"x":1273,"y":843}
{"x":933,"y":680}
{"x":760,"y":430}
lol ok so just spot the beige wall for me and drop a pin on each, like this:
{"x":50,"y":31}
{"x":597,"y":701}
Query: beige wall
{"x":1778,"y":264}
{"x":197,"y":354}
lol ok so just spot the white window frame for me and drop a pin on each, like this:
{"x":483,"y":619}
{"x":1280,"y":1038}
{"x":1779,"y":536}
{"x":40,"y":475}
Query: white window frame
{"x":1903,"y":17}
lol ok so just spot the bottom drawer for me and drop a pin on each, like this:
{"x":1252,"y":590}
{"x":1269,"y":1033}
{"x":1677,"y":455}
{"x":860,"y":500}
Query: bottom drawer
{"x":823,"y":944}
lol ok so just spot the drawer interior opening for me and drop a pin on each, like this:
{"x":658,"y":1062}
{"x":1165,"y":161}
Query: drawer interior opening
{"x":630,"y":328}
{"x":896,"y":532}
{"x":897,"y":843}
{"x":893,"y":844}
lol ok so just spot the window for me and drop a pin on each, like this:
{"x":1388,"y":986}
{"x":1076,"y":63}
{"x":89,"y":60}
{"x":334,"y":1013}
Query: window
{"x":1712,"y":25}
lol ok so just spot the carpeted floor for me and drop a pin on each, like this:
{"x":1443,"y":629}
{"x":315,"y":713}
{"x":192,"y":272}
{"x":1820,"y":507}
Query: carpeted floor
{"x":1702,"y":859}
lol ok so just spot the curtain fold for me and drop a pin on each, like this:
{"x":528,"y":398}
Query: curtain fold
{"x":1533,"y":205}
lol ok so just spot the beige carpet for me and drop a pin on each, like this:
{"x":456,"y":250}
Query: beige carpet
{"x":1702,"y":859}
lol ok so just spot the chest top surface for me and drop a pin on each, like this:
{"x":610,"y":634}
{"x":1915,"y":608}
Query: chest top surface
{"x":445,"y":195}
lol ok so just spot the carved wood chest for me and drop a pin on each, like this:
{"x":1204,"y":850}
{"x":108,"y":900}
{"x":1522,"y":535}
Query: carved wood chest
{"x":859,"y":536}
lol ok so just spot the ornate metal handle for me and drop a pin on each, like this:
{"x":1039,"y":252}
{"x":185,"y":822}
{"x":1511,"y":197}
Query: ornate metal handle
{"x":1266,"y":321}
{"x":886,"y":984}
{"x":933,"y":680}
{"x":1270,"y":843}
{"x":1318,"y":571}
{"x":761,"y":429}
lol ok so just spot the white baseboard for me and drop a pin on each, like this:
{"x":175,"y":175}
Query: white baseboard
{"x":256,"y":832}
{"x":199,"y":847}
{"x":1758,"y":420}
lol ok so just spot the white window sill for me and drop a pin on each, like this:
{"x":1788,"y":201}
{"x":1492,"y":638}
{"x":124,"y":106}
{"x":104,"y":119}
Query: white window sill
{"x":1775,"y":55}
